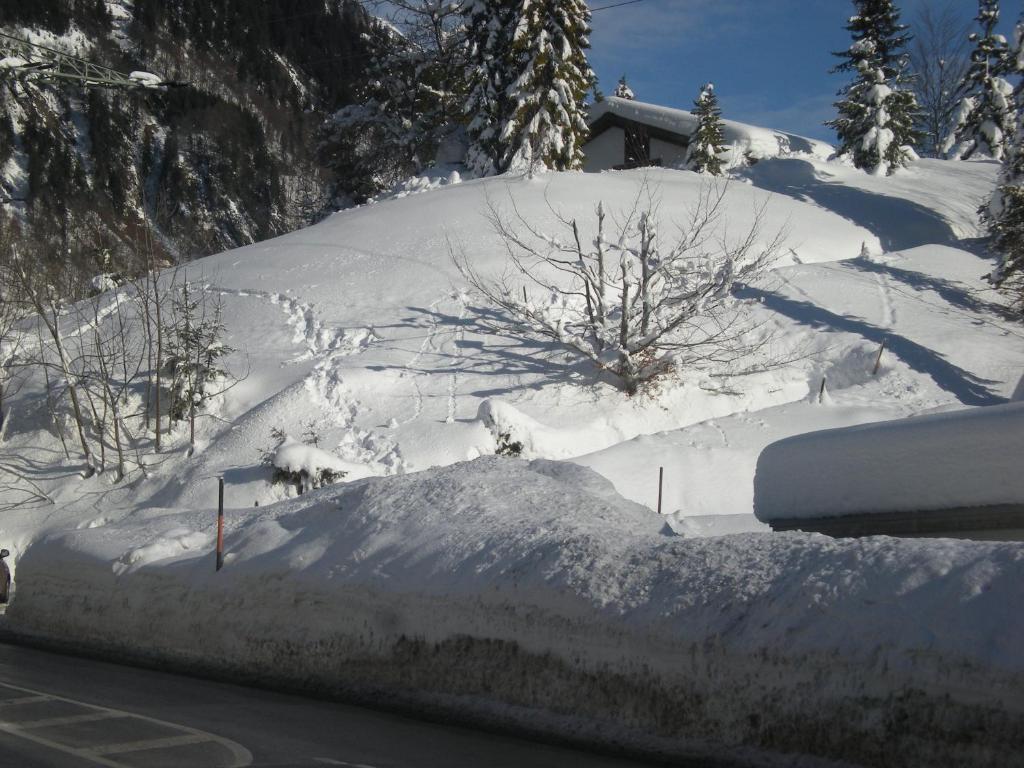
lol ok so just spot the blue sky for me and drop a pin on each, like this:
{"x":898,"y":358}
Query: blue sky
{"x":769,"y":59}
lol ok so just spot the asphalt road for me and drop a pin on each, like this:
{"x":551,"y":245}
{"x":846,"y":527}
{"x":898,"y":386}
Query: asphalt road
{"x":65,"y":712}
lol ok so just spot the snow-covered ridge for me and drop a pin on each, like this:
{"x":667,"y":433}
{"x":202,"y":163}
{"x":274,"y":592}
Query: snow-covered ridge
{"x":533,"y":589}
{"x":746,"y":140}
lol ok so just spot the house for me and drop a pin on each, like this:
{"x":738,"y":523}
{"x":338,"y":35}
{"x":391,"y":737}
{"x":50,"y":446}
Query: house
{"x":631,"y":134}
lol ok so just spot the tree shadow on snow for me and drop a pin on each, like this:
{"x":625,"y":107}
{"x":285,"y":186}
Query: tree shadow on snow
{"x":957,"y":294}
{"x":964,"y":385}
{"x":899,"y":224}
{"x":480,"y":351}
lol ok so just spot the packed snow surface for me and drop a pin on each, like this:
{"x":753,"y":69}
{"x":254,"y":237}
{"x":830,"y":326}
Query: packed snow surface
{"x":965,"y":458}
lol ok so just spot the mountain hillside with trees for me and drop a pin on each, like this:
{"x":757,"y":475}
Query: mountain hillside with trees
{"x":95,"y":179}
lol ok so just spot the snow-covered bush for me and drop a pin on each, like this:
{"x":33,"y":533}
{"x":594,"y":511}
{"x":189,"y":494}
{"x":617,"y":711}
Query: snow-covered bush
{"x":636,"y":308}
{"x":305,"y":467}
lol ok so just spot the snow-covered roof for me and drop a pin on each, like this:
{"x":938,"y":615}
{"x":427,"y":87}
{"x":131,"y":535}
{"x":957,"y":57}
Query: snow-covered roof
{"x":758,"y":142}
{"x":959,"y":459}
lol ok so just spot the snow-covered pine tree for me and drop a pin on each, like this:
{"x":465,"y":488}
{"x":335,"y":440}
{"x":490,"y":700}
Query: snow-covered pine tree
{"x":1004,"y":215}
{"x":409,"y":103}
{"x":550,"y":80}
{"x":489,"y":29}
{"x":985,"y":120}
{"x":708,"y":140}
{"x":876,"y":111}
{"x":623,"y":91}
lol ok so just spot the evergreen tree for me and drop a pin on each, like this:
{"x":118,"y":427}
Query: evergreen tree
{"x":550,"y":79}
{"x":623,"y":91}
{"x":708,"y":141}
{"x":1004,"y":215}
{"x":410,"y":101}
{"x":876,"y":112}
{"x":489,"y":28}
{"x":985,"y":120}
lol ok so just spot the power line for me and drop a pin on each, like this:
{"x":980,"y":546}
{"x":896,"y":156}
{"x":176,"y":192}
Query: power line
{"x":615,"y":5}
{"x":23,"y":58}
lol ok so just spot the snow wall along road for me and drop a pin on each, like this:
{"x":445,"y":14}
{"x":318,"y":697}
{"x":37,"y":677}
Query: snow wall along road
{"x":532,"y":595}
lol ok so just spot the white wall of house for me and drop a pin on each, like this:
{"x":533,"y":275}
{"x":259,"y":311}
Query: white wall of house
{"x":605,"y":151}
{"x":671,"y":155}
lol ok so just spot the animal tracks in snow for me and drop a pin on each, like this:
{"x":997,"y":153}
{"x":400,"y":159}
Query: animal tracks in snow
{"x":325,"y":383}
{"x":309,"y":330}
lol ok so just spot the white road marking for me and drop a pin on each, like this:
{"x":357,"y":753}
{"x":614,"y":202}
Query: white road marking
{"x":138,"y":746}
{"x":23,"y":700}
{"x":239,"y":756}
{"x":329,"y":761}
{"x":71,"y":720}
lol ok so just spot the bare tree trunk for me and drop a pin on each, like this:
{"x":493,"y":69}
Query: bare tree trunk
{"x":159,"y":353}
{"x":65,"y":366}
{"x":645,"y":274}
{"x":50,"y":407}
{"x":601,"y":303}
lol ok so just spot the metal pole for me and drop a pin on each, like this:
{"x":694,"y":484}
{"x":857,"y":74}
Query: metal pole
{"x":220,"y":523}
{"x":661,"y":479}
{"x":878,"y":360}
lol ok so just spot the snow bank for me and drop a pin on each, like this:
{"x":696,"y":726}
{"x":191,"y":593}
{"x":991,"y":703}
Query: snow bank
{"x":532,"y":594}
{"x":524,"y":436}
{"x":759,"y":143}
{"x":965,"y":458}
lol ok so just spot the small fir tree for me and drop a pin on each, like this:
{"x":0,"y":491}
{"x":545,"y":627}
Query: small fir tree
{"x":195,"y":356}
{"x":708,"y":141}
{"x":1004,"y":215}
{"x":877,"y":112}
{"x":550,"y":78}
{"x":623,"y":91}
{"x":985,"y":121}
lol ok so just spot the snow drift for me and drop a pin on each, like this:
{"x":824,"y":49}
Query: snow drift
{"x":532,"y":594}
{"x":965,"y":458}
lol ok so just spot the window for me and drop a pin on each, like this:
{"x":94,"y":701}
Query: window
{"x":638,"y":146}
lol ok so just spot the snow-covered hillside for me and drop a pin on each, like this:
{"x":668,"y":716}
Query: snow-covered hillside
{"x":361,"y":329}
{"x":361,"y":333}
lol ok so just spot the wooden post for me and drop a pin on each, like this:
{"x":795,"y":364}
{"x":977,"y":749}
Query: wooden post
{"x":661,"y":480}
{"x":878,"y":360}
{"x":220,"y":523}
{"x":821,"y":392}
